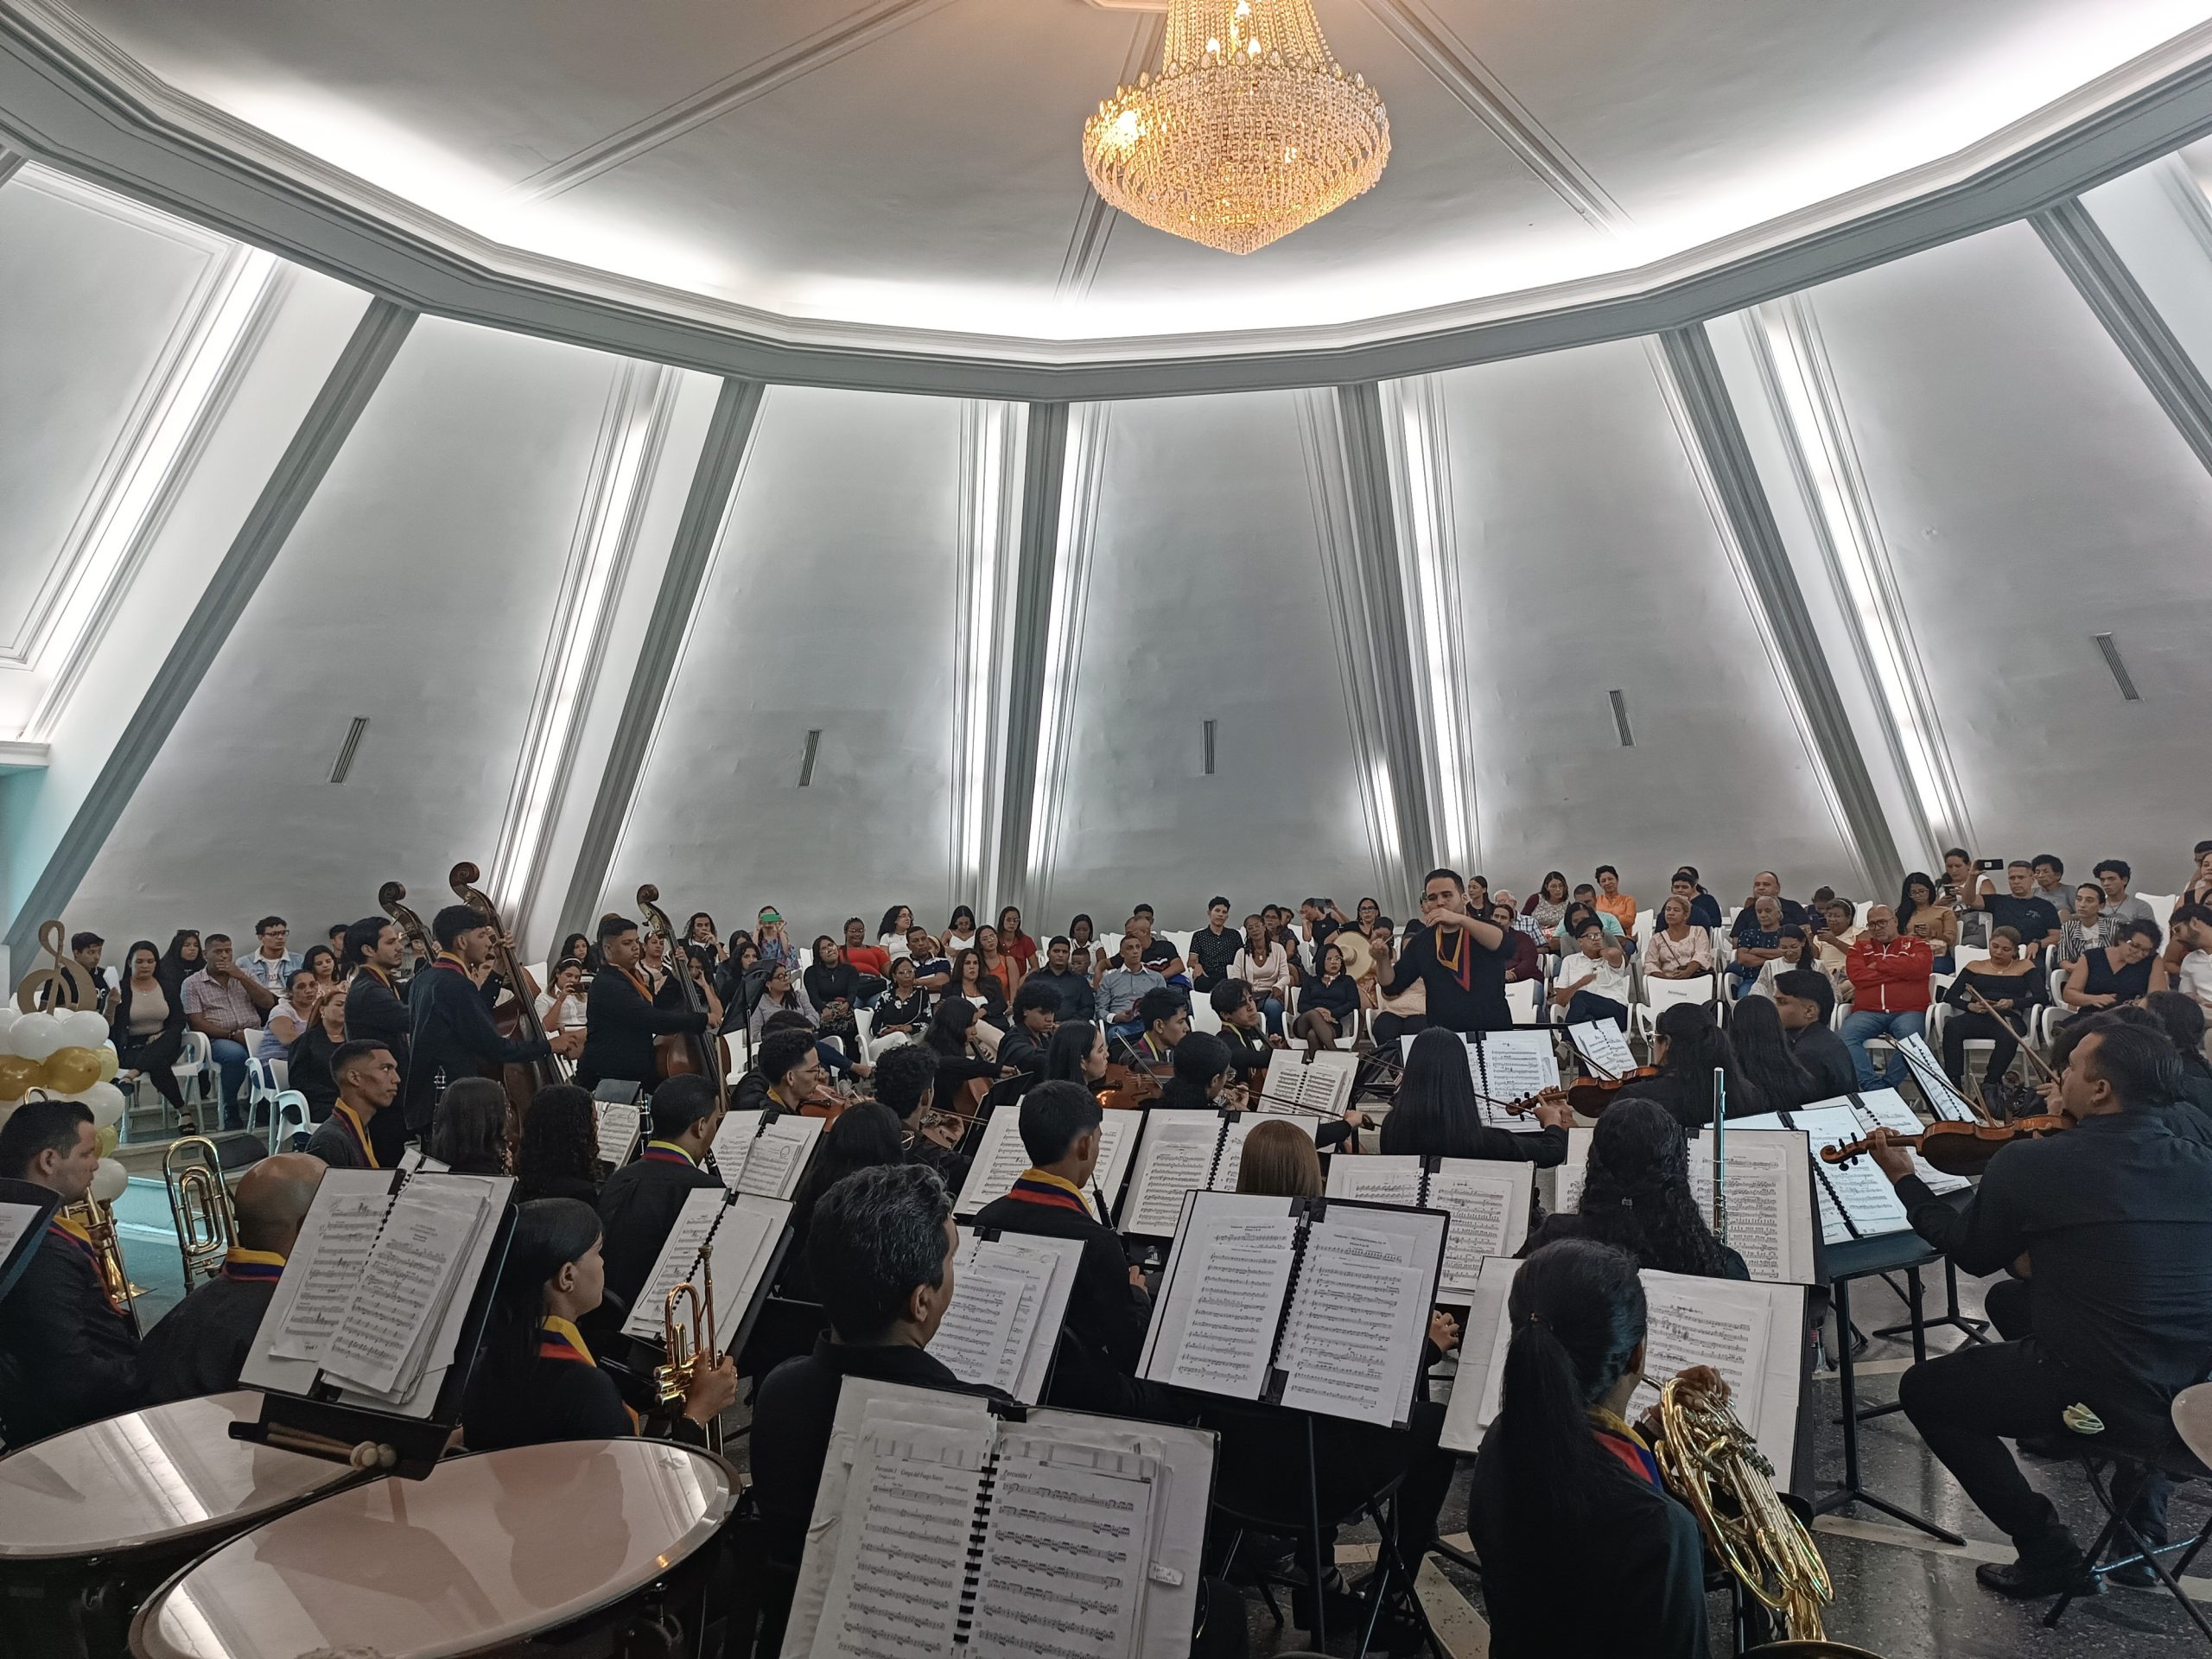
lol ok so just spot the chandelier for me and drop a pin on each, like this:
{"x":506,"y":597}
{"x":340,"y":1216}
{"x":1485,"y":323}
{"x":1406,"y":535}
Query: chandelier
{"x":1250,"y":131}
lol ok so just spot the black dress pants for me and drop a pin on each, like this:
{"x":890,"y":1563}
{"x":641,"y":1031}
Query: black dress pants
{"x":1961,"y":1029}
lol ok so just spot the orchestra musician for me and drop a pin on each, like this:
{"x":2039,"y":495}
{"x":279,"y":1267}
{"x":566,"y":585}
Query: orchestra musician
{"x":639,"y":1203}
{"x":1202,"y":1080}
{"x":2109,"y":1225}
{"x":373,"y":950}
{"x":1636,"y":1197}
{"x":201,"y":1345}
{"x":624,"y":1015}
{"x":449,"y":1004}
{"x":1109,"y":1308}
{"x":1460,"y":958}
{"x":789,"y":1065}
{"x":1163,"y":1020}
{"x":907,"y":1085}
{"x":1243,"y":1028}
{"x":368,"y":1082}
{"x":1435,"y":1114}
{"x":1035,"y":1013}
{"x":68,"y":1354}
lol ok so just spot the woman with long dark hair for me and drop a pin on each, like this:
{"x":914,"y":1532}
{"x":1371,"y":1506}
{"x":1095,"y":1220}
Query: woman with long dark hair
{"x":146,"y":1024}
{"x":1435,"y":1114}
{"x":890,"y":933}
{"x":973,"y":983}
{"x":180,"y":961}
{"x":1762,"y":1051}
{"x":536,"y":1382}
{"x":951,"y":1038}
{"x":862,"y":1136}
{"x":1077,"y":1054}
{"x":1690,"y":1046}
{"x":1547,"y":906}
{"x":1014,"y":944}
{"x":469,"y":1130}
{"x":560,"y":1146}
{"x":1921,"y":916}
{"x":1636,"y":1196}
{"x":1563,"y":1481}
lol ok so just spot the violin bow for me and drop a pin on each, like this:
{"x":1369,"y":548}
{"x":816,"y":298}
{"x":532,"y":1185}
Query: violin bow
{"x":2026,"y":1048}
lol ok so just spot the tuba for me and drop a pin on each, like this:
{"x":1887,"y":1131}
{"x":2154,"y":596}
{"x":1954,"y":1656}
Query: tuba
{"x":1712,"y":1464}
{"x":199,"y":1203}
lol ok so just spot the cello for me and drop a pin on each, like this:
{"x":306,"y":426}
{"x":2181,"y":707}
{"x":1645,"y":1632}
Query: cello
{"x":681,"y":1054}
{"x":516,"y":1017}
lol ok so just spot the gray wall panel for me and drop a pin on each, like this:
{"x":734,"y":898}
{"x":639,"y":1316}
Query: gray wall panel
{"x":1591,"y":562}
{"x":829,"y":609}
{"x":2034,"y":494}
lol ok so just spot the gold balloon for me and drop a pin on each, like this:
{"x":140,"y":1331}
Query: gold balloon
{"x":108,"y":1067}
{"x":108,"y":1140}
{"x":17,"y":1075}
{"x":70,"y":1070}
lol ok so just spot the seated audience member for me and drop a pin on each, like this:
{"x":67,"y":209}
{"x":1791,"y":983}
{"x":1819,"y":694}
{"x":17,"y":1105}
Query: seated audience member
{"x":1757,"y":940}
{"x":225,"y":1004}
{"x":563,"y":1009}
{"x":290,"y":1019}
{"x":1705,"y":909}
{"x":782,"y":993}
{"x":1360,"y":960}
{"x":974,"y":984}
{"x":1547,"y":906}
{"x":579,"y":945}
{"x":468,"y":1135}
{"x":2199,"y":888}
{"x":1528,"y":960}
{"x":1763,"y":1051}
{"x":1436,"y":1116}
{"x":869,"y":961}
{"x":202,"y":1345}
{"x":2182,"y":1020}
{"x":1280,"y":924}
{"x":932,"y":967}
{"x":1014,"y":944}
{"x":84,"y":951}
{"x":1838,"y":933}
{"x":368,"y":1084}
{"x":2008,"y":982}
{"x":891,"y":934}
{"x":997,"y":965}
{"x":1803,"y":999}
{"x":272,"y":963}
{"x":559,"y":1157}
{"x":1679,"y":948}
{"x":1594,"y":980}
{"x":2034,"y":919}
{"x":2113,"y":875}
{"x":1562,"y":1462}
{"x":1580,"y":909}
{"x":772,"y":933}
{"x":2049,"y":873}
{"x":1162,"y":1021}
{"x":1108,"y":1308}
{"x":1636,"y":1197}
{"x":307,"y":1071}
{"x":880,"y":1255}
{"x":2088,"y":929}
{"x":1065,"y":977}
{"x":1088,"y":956}
{"x":960,"y":931}
{"x":1798,"y":950}
{"x":536,"y":1380}
{"x":1922,"y":915}
{"x":1889,"y":989}
{"x":1035,"y":1013}
{"x":1077,"y":1053}
{"x":2192,"y":940}
{"x":1621,"y":906}
{"x":908,"y":1086}
{"x":638,"y":1203}
{"x":964,"y":1047}
{"x":184,"y":958}
{"x":1318,"y":921}
{"x":1961,"y":881}
{"x":901,"y":1013}
{"x":1262,"y":963}
{"x":1688,"y":1047}
{"x":702,"y":941}
{"x":1400,"y":1013}
{"x":68,"y":1354}
{"x":2126,"y":970}
{"x":864,"y":1135}
{"x":1767,"y":884}
{"x":1328,"y":1006}
{"x":146,"y":1025}
{"x":835,"y":989}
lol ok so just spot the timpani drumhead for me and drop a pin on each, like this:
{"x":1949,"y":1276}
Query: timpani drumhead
{"x":491,"y":1548}
{"x":148,"y":1479}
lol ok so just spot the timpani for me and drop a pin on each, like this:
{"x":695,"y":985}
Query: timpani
{"x":579,"y":1547}
{"x":93,"y":1518}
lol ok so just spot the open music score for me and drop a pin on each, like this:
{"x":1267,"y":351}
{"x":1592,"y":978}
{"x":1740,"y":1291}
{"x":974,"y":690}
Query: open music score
{"x":946,"y":1525}
{"x":735,"y":1237}
{"x":1320,"y":1081}
{"x":1183,"y":1152}
{"x":1856,"y":1200}
{"x":764,"y":1159}
{"x":1507,"y":1066}
{"x":1001,"y":1158}
{"x":1009,"y":1300}
{"x":1946,"y":1101}
{"x":1752,"y":1333}
{"x":1604,"y":1047}
{"x":1487,"y":1202}
{"x":1770,"y":1186}
{"x":620,"y":1124}
{"x":24,"y":1210}
{"x":1320,"y":1304}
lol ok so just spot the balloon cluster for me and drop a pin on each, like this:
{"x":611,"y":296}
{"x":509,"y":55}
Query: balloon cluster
{"x":66,"y":1055}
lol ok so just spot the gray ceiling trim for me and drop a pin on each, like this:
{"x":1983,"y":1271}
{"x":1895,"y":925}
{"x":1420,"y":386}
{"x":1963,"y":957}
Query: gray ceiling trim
{"x":1094,"y":219}
{"x":70,"y":99}
{"x":709,"y":103}
{"x":1082,"y":473}
{"x":299,"y":472}
{"x":2101,"y":277}
{"x":10,"y":162}
{"x":1348,"y":463}
{"x":1468,"y":79}
{"x":1028,"y":643}
{"x":714,"y":487}
{"x":1689,"y":376}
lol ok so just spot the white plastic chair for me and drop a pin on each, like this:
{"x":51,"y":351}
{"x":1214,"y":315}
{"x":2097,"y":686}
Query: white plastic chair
{"x":288,"y":1116}
{"x":1203,"y":1017}
{"x":1521,"y":1001}
{"x":195,"y":1064}
{"x":264,"y":1081}
{"x":1660,"y":994}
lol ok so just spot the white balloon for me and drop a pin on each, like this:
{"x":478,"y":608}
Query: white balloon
{"x":110,"y":1179}
{"x":82,"y":1029}
{"x":36,"y":1036}
{"x":105,"y":1100}
{"x":7,"y":1017}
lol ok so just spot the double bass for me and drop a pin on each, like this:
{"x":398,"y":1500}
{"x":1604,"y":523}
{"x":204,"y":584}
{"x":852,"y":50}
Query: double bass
{"x":684,"y":1053}
{"x":516,"y":1017}
{"x":391,"y":899}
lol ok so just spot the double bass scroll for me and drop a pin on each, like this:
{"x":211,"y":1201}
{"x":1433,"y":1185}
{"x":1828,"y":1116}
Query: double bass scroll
{"x":680,"y":1052}
{"x":516,"y":1018}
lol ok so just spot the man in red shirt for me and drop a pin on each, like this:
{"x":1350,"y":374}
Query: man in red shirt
{"x":865,"y":957}
{"x":1889,"y":983}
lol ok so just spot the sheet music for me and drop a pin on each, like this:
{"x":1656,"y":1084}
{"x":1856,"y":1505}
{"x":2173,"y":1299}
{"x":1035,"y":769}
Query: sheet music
{"x":1943,"y":1100}
{"x":1488,"y":1203}
{"x":1000,"y":1158}
{"x":617,"y":1131}
{"x":765,"y":1160}
{"x":1377,"y":1179}
{"x":1860,"y":1191}
{"x":1323,"y":1085}
{"x":1769,"y":1197}
{"x":1231,"y":1161}
{"x":1177,"y":1157}
{"x":1009,"y":1297}
{"x":1357,"y":1322}
{"x":902,"y":1561}
{"x":15,"y":1220}
{"x":1063,"y":1570}
{"x":1508,"y":1065}
{"x":381,"y":1343}
{"x":1215,"y":1328}
{"x":1604,"y":1045}
{"x":326,"y":1262}
{"x":678,"y":1258}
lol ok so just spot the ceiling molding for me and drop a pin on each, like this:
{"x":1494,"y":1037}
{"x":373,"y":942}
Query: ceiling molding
{"x":11,"y":162}
{"x":24,"y":757}
{"x":1095,"y":219}
{"x":70,"y":99}
{"x":756,"y":79}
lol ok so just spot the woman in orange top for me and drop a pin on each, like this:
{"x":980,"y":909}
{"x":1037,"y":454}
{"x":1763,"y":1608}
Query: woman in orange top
{"x":1619,"y":906}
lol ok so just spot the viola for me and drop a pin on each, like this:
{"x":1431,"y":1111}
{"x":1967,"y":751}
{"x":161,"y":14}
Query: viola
{"x":1591,"y":1096}
{"x":1958,"y":1148}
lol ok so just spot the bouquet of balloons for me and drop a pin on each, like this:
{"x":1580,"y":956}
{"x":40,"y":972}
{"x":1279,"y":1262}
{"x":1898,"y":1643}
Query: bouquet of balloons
{"x":66,"y":1055}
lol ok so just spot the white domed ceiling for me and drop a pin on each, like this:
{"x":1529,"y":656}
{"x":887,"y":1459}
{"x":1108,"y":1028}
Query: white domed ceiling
{"x":902,"y":170}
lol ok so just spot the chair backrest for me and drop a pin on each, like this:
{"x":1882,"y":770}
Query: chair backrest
{"x":1665,"y":993}
{"x":261,"y":1075}
{"x":864,"y":1022}
{"x":1202,"y":1018}
{"x":1521,"y":1001}
{"x":1961,"y":955}
{"x":1180,"y":939}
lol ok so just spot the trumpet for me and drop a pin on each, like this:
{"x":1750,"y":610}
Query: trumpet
{"x":1711,"y":1462}
{"x":687,"y":1338}
{"x":199,"y":1203}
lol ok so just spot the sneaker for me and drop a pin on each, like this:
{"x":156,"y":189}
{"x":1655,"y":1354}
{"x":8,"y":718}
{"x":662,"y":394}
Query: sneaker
{"x":2136,"y":1575}
{"x":2028,"y":1580}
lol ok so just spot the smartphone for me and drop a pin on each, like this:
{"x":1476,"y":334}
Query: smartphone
{"x":1989,"y":863}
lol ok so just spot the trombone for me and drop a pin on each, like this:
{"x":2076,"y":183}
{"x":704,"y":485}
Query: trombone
{"x":199,"y":1203}
{"x":688,"y":1338}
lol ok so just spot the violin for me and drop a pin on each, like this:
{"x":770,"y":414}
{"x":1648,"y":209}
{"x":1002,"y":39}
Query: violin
{"x":1958,"y":1148}
{"x":1127,"y":1087}
{"x":683,"y":1053}
{"x":517,"y":1017}
{"x":1591,"y":1096}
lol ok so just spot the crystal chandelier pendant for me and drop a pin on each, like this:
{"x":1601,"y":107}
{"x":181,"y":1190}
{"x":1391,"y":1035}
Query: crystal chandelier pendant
{"x":1250,"y":131}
